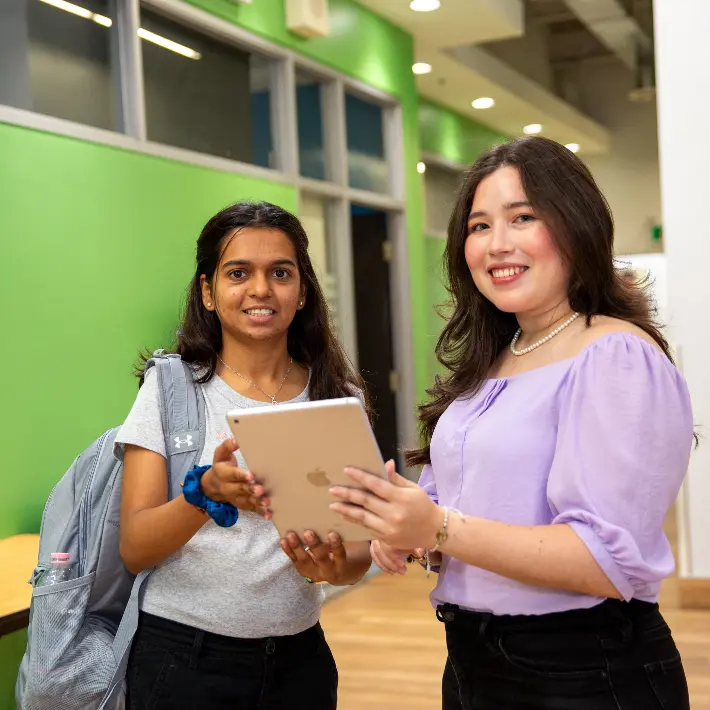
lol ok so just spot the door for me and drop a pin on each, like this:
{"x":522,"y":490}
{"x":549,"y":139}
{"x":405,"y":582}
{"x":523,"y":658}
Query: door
{"x":371,"y":257}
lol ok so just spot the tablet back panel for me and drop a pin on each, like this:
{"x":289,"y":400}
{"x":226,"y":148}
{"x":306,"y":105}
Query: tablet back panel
{"x":297,"y":451}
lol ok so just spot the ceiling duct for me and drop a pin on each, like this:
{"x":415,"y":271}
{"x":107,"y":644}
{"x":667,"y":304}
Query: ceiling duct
{"x":609,"y":22}
{"x":645,"y":88}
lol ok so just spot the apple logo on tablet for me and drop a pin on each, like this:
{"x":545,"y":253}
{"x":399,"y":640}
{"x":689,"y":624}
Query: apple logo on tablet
{"x":318,"y":478}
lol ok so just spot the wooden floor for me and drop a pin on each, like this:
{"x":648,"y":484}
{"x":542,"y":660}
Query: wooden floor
{"x":390,"y":649}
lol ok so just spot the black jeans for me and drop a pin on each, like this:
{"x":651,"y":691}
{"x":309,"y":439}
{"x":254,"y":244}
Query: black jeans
{"x":173,"y":666}
{"x":616,"y":656}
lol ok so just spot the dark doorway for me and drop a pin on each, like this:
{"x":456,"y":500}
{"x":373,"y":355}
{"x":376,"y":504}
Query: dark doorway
{"x":371,"y":257}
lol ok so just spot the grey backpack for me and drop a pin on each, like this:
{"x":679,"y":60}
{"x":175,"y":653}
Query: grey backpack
{"x":81,"y":630}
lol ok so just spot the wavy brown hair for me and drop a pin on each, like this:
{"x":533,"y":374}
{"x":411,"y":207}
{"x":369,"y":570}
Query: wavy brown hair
{"x":565,"y":196}
{"x":311,"y":340}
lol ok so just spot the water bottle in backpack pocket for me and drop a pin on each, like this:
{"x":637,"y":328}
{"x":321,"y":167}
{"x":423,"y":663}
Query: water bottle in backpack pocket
{"x":84,"y":609}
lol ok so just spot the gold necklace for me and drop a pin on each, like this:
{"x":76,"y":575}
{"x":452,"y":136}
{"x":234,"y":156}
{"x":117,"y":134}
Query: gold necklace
{"x":253,"y":384}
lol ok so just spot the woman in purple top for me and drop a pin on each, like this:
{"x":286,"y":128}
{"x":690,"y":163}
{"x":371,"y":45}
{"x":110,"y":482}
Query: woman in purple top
{"x":552,"y":453}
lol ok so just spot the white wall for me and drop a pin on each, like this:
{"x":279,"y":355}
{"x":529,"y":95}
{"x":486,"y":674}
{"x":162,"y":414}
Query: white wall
{"x":682,"y":62}
{"x":655,"y":266}
{"x":629,"y":174}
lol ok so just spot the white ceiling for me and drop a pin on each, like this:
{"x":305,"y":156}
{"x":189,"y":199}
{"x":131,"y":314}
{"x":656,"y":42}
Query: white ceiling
{"x":456,"y":21}
{"x":446,"y":39}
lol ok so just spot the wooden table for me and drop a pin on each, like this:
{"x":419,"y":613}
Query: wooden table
{"x":18,"y":558}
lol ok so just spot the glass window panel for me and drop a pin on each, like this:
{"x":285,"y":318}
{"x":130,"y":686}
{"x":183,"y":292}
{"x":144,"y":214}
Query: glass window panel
{"x":206,"y":95}
{"x":56,"y":59}
{"x":367,"y":164}
{"x":311,"y":148}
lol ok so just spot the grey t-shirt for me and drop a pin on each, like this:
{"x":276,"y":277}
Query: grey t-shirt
{"x":232,"y":581}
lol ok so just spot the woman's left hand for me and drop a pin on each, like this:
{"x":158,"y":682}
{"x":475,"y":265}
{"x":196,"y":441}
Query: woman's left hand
{"x":397,"y":511}
{"x":315,"y":560}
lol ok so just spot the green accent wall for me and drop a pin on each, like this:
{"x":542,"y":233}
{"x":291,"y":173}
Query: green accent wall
{"x":438,"y":296}
{"x":459,"y":140}
{"x":11,"y":649}
{"x":453,"y":136}
{"x":98,"y":245}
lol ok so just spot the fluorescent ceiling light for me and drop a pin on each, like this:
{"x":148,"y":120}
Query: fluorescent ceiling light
{"x":532,"y":128}
{"x":168,"y":44}
{"x":424,"y":5}
{"x":79,"y":11}
{"x":574,"y":147}
{"x":421,"y":68}
{"x":70,"y":7}
{"x":107,"y":22}
{"x":421,"y":167}
{"x":483,"y":102}
{"x":101,"y":20}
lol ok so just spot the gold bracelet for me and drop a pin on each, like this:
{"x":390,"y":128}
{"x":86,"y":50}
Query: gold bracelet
{"x":443,"y":535}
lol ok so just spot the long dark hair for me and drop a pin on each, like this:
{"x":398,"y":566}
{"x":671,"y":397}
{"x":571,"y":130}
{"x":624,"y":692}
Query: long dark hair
{"x":564,"y":194}
{"x":311,"y":340}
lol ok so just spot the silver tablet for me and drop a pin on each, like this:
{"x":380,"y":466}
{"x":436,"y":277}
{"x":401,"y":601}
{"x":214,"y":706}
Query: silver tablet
{"x":298,"y":451}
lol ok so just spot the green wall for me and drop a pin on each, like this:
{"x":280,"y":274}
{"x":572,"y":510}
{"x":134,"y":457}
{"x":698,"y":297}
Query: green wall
{"x":453,"y":136}
{"x":459,"y":140}
{"x":97,"y":247}
{"x":438,"y":296}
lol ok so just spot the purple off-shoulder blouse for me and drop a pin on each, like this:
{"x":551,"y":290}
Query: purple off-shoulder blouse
{"x":600,"y":442}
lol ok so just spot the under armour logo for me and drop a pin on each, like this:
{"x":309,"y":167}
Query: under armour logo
{"x":179,"y":442}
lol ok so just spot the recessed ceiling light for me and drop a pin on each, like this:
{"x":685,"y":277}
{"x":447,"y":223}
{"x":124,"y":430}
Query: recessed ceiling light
{"x":574,"y":147}
{"x":483,"y":102}
{"x":421,"y":168}
{"x":532,"y":128}
{"x":424,"y":5}
{"x":421,"y":68}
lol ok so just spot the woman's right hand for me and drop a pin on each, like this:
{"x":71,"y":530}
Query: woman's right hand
{"x":225,"y":482}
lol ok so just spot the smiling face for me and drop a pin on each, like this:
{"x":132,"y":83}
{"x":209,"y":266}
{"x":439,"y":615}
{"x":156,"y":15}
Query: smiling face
{"x":509,"y":251}
{"x":257,"y":288}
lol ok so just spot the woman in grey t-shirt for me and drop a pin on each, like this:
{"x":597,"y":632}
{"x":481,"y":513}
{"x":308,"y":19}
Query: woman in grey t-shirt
{"x":229,"y":618}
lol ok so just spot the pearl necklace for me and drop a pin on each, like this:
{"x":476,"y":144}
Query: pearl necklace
{"x":273,"y":396}
{"x":532,"y":347}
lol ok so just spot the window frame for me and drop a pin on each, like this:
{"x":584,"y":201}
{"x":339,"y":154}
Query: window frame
{"x":334,"y":189}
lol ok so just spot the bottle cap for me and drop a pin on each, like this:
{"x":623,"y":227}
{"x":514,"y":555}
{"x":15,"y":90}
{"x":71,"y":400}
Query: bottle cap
{"x":60,"y":557}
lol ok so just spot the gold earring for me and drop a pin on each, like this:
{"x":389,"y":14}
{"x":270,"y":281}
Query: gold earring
{"x":209,"y":304}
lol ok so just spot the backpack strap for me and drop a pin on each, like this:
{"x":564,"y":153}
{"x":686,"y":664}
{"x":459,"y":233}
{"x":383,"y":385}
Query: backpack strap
{"x":183,"y":412}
